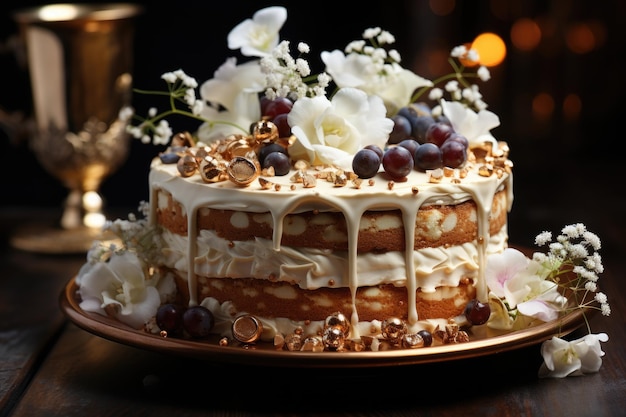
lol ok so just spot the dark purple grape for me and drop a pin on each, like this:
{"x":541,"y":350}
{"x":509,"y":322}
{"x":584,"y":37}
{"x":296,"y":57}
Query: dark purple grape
{"x":169,"y":317}
{"x":443,"y":119}
{"x":438,"y":133}
{"x":264,"y":102}
{"x":284,"y":130}
{"x":422,"y":109}
{"x":397,"y":162}
{"x":408,"y":111}
{"x":411,"y":145}
{"x":401,"y":129}
{"x":280,"y":161}
{"x":268,"y":149}
{"x":453,"y":154}
{"x":476,"y":312}
{"x":279,"y":105}
{"x":427,"y":337}
{"x":376,"y":149}
{"x":365,"y":163}
{"x":427,"y":156}
{"x":198,"y":321}
{"x":459,"y":138}
{"x":419,"y":126}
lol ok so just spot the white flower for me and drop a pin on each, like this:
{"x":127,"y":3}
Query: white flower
{"x":331,"y":131}
{"x":500,"y":317}
{"x":395,"y":85}
{"x":234,"y":88}
{"x":259,"y":35}
{"x":120,"y":287}
{"x":230,"y":80}
{"x":578,"y":357}
{"x":521,"y":283}
{"x":542,"y":299}
{"x":474,"y":126}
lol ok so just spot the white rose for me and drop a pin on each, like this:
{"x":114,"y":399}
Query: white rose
{"x":332,"y":131}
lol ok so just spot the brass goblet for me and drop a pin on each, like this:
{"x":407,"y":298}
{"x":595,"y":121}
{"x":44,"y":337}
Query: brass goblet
{"x":79,"y":58}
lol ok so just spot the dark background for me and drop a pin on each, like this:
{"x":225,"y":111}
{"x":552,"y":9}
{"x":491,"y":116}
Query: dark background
{"x":568,"y":166}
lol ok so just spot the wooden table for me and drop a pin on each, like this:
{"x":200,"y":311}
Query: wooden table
{"x":50,"y":367}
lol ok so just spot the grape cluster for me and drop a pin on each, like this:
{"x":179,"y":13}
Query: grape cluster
{"x":176,"y":320}
{"x":431,"y":143}
{"x":273,"y":154}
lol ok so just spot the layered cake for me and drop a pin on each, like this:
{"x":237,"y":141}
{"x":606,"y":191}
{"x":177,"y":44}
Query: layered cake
{"x":364,"y":216}
{"x":373,"y":249}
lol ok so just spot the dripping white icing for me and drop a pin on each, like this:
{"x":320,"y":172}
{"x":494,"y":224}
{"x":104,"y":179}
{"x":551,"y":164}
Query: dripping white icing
{"x":418,"y":266}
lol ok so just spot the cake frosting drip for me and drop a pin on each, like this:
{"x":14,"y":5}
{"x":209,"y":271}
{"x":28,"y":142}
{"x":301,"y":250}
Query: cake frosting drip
{"x":425,"y":269}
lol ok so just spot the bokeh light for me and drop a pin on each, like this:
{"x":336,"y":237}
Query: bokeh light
{"x":525,"y":34}
{"x":580,"y":38}
{"x":442,"y":7}
{"x":543,"y":106}
{"x":491,"y":49}
{"x":572,"y":105}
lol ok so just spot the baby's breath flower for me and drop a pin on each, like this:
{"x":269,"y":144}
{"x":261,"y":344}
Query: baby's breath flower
{"x":394,"y":55}
{"x":458,"y":51}
{"x":570,"y":254}
{"x":458,"y":79}
{"x":452,"y":86}
{"x":126,"y":113}
{"x":543,"y":238}
{"x":371,"y":33}
{"x":355,"y":46}
{"x":601,"y":298}
{"x":435,"y":94}
{"x":472,"y":55}
{"x":483,"y":73}
{"x":303,"y":48}
{"x":385,"y":37}
{"x":593,"y":240}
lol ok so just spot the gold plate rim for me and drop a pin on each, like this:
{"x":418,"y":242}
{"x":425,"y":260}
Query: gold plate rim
{"x":265,"y":354}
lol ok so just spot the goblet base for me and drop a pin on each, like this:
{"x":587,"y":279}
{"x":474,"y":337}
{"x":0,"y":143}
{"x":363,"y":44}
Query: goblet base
{"x":51,"y":240}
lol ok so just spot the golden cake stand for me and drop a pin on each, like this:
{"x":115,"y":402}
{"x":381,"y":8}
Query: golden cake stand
{"x":484,"y":342}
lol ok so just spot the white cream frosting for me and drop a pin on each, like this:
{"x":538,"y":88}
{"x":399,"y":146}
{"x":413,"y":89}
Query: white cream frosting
{"x":314,"y":268}
{"x":425,"y":269}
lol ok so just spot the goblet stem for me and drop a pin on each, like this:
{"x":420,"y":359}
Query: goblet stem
{"x":83,"y":209}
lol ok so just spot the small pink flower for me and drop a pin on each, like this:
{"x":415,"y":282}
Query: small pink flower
{"x":502,"y":267}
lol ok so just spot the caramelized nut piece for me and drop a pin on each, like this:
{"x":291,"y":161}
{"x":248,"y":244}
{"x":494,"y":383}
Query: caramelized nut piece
{"x":212,"y":170}
{"x":308,"y":181}
{"x":247,"y":329}
{"x":187,"y":165}
{"x":485,"y":170}
{"x":242,"y":171}
{"x":183,"y":139}
{"x":264,"y":132}
{"x":265,"y":184}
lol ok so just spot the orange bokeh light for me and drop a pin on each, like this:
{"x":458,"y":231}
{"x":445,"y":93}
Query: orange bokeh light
{"x":525,"y":34}
{"x":442,"y":7}
{"x":543,"y":106}
{"x":580,"y":38}
{"x":491,"y":49}
{"x":572,"y":106}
